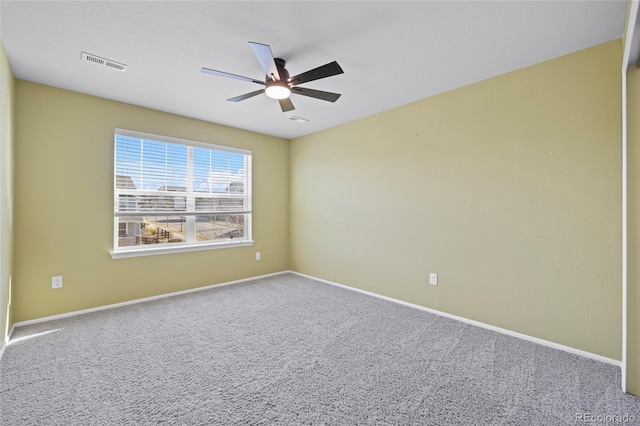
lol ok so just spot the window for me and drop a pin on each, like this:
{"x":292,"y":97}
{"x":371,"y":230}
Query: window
{"x":176,"y":195}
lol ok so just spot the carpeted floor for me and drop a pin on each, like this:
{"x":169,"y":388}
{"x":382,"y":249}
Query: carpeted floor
{"x":286,"y":350}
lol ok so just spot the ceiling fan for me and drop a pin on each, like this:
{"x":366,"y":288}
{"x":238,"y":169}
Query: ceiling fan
{"x":278,"y":84}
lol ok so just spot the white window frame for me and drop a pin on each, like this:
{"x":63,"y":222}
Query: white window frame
{"x":156,"y":249}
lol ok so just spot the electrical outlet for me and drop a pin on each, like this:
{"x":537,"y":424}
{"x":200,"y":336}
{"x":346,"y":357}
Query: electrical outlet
{"x":433,"y":278}
{"x":257,"y":255}
{"x":56,"y":282}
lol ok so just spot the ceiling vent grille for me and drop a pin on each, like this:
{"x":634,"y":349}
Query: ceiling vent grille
{"x":103,"y":61}
{"x":298,"y":119}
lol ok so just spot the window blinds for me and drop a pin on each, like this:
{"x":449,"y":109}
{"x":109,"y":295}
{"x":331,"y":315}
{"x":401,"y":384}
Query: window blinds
{"x":154,"y":177}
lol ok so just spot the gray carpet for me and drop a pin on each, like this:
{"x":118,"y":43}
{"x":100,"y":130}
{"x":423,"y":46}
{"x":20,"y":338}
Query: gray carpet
{"x":286,"y":350}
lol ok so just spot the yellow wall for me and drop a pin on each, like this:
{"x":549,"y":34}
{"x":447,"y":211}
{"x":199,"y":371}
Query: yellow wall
{"x":64,"y":205}
{"x":633,"y":231}
{"x":509,"y":189}
{"x":6,"y":191}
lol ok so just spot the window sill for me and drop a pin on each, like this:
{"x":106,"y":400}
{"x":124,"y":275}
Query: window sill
{"x":171,"y":250}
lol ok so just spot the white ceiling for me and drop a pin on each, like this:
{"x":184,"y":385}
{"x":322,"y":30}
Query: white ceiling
{"x":392,"y":52}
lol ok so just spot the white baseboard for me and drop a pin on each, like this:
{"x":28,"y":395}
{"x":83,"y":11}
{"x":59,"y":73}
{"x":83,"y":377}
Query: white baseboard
{"x":433,"y":311}
{"x":543,"y":342}
{"x":6,"y":341}
{"x":136,"y":301}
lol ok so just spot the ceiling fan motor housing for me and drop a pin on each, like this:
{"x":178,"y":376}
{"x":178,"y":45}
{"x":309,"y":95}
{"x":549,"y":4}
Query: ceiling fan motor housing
{"x":278,"y":89}
{"x":284,"y":74}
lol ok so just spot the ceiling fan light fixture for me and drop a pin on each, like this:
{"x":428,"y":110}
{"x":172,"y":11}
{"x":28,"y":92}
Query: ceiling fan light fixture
{"x":278,"y":90}
{"x":278,"y":85}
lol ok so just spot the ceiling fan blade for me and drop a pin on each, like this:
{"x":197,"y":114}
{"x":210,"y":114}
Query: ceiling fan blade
{"x":228,"y":75}
{"x":265,"y":57}
{"x":286,"y":104}
{"x":246,"y":96}
{"x":326,"y":70}
{"x":318,"y":94}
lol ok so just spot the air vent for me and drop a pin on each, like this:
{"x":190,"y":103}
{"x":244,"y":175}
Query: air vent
{"x":103,"y":61}
{"x":298,"y":119}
